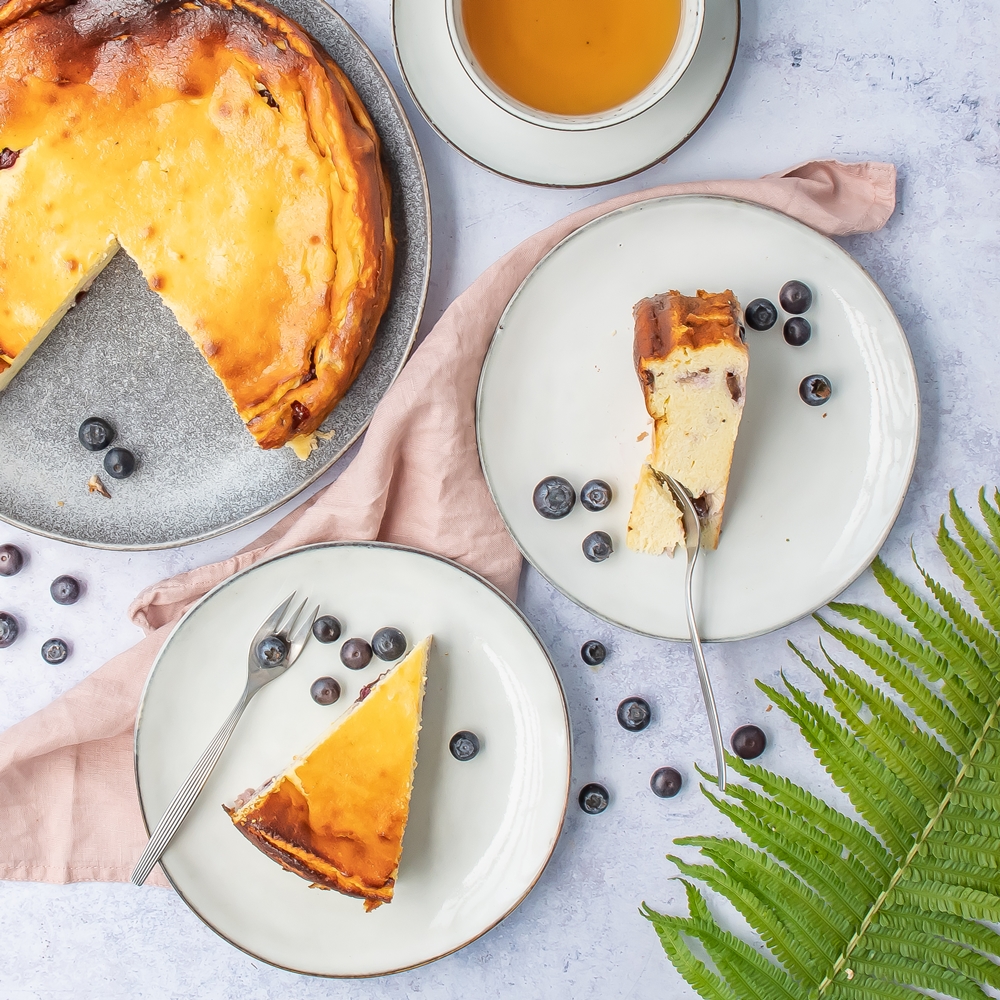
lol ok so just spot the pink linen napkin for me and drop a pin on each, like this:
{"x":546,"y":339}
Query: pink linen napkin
{"x":68,"y":805}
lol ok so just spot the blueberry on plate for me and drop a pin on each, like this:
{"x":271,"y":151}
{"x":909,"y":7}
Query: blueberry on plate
{"x":594,"y":798}
{"x":11,"y":560}
{"x":795,"y":297}
{"x":815,"y":390}
{"x":355,"y":654}
{"x":96,"y":434}
{"x":65,"y":590}
{"x":9,"y":629}
{"x":326,"y":628}
{"x":761,"y":314}
{"x":595,"y":495}
{"x":592,"y":652}
{"x":464,"y":745}
{"x":554,"y":497}
{"x":271,"y":651}
{"x":119,"y":463}
{"x":597,"y":546}
{"x":797,"y":331}
{"x":748,"y":742}
{"x":388,"y":643}
{"x":634,"y":714}
{"x":666,"y":782}
{"x":324,"y":691}
{"x":54,"y":651}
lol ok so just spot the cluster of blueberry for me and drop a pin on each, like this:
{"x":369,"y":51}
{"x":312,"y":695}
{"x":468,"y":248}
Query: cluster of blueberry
{"x":634,"y":715}
{"x":554,"y":497}
{"x":64,"y":590}
{"x":96,"y":434}
{"x":796,"y":297}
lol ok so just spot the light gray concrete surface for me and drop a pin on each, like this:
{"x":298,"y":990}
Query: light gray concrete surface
{"x":911,"y":82}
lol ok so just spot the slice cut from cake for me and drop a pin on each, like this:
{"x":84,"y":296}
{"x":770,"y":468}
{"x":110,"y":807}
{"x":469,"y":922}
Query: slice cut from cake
{"x":691,"y":358}
{"x":337,"y":815}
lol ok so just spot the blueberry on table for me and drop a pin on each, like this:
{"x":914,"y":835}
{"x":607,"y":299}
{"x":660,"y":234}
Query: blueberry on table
{"x":815,"y":390}
{"x":54,"y":651}
{"x":592,"y":652}
{"x":11,"y":560}
{"x":595,"y":495}
{"x":324,"y":691}
{"x":96,"y":434}
{"x":388,"y":643}
{"x":597,"y":546}
{"x":464,"y":745}
{"x":761,"y":314}
{"x":554,"y":497}
{"x":634,"y":714}
{"x":65,"y":590}
{"x":797,"y":331}
{"x":594,"y":798}
{"x":666,"y":782}
{"x":748,"y":742}
{"x":795,"y":297}
{"x":356,"y":654}
{"x":271,"y":651}
{"x":9,"y":629}
{"x":326,"y":628}
{"x":119,"y":463}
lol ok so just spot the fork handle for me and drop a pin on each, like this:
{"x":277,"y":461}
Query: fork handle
{"x":178,"y":809}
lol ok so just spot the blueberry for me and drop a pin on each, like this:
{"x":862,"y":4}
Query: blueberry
{"x":815,"y":389}
{"x":271,"y":651}
{"x":594,"y":798}
{"x":388,"y":643}
{"x":65,"y":590}
{"x":326,"y":629}
{"x":795,"y":297}
{"x":666,"y":782}
{"x":554,"y":497}
{"x":797,"y":331}
{"x":597,"y":546}
{"x":11,"y":560}
{"x":761,"y":314}
{"x":96,"y":434}
{"x":356,"y":654}
{"x":593,"y":652}
{"x":119,"y":463}
{"x":634,"y":714}
{"x":324,"y":691}
{"x":595,"y":495}
{"x":9,"y":629}
{"x":464,"y":745}
{"x":748,"y":742}
{"x":54,"y":651}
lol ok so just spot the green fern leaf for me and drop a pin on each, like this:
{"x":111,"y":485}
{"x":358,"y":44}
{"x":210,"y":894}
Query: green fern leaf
{"x":990,"y":515}
{"x":986,"y":558}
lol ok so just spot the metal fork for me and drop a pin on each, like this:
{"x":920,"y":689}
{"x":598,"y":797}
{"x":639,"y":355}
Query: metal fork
{"x":692,"y":541}
{"x":281,"y":625}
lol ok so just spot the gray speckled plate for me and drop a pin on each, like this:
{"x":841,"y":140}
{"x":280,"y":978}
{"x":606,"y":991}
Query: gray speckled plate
{"x":121,"y":355}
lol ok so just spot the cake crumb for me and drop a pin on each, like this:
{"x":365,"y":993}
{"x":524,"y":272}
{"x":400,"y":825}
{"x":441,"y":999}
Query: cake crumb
{"x":96,"y":486}
{"x":644,"y":434}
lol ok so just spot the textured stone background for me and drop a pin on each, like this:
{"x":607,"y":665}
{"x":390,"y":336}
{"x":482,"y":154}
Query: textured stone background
{"x":913,"y":82}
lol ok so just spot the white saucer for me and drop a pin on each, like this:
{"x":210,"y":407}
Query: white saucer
{"x":813,"y":490}
{"x":465,"y":117}
{"x":479,"y":832}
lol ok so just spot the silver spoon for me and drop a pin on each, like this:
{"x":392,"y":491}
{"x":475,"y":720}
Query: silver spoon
{"x":692,"y":541}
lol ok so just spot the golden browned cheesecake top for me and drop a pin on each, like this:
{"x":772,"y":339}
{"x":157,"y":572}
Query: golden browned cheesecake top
{"x":671,"y":320}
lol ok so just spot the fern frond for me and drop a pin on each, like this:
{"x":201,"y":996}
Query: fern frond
{"x":976,"y":583}
{"x":986,"y":558}
{"x":991,"y":515}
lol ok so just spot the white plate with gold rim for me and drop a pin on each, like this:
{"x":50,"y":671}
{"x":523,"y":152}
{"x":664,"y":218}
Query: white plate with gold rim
{"x":813,"y":491}
{"x":479,"y":832}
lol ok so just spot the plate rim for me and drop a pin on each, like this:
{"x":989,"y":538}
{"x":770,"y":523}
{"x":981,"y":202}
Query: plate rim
{"x":373,"y":544}
{"x":914,"y":379}
{"x":322,"y":470}
{"x":553,"y":184}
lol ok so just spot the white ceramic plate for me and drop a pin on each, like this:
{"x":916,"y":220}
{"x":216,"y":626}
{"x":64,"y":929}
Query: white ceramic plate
{"x":479,"y":832}
{"x":465,"y":117}
{"x":813,"y":490}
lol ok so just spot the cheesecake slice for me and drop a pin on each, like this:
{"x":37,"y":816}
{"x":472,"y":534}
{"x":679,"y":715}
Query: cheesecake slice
{"x":337,"y":815}
{"x":691,"y":358}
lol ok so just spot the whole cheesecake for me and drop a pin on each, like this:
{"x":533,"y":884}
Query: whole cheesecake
{"x":225,"y":152}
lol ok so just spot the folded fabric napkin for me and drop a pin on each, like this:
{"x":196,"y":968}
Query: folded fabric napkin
{"x":68,"y":805}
